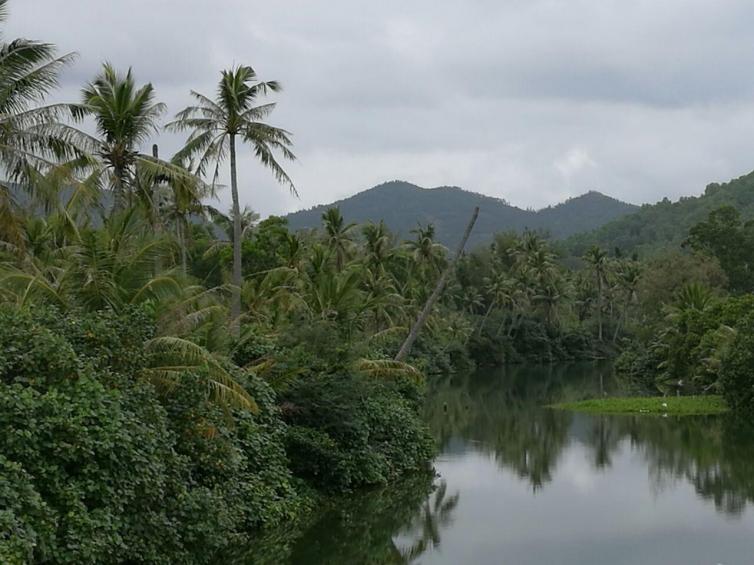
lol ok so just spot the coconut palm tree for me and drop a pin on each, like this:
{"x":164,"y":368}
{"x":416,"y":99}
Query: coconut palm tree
{"x":33,"y":138}
{"x":215,"y":127}
{"x":598,"y":260}
{"x":337,"y":235}
{"x":377,"y":246}
{"x":628,"y":274}
{"x":126,"y":116}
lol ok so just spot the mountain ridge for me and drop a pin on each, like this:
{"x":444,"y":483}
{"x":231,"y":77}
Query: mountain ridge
{"x":403,"y":205}
{"x":666,"y":223}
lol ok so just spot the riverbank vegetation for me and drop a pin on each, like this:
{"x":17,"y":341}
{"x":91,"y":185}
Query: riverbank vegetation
{"x":670,"y":406}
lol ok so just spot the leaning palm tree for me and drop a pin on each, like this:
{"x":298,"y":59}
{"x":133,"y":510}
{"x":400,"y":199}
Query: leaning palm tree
{"x":216,"y":125}
{"x":33,"y":138}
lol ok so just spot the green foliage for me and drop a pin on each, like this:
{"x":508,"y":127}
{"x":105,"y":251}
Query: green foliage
{"x":724,"y":236}
{"x":348,"y":431}
{"x":666,"y":224}
{"x":97,"y":467}
{"x":737,"y":371}
{"x":667,"y":273}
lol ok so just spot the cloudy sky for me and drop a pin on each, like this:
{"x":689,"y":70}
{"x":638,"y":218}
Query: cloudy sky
{"x":528,"y":100}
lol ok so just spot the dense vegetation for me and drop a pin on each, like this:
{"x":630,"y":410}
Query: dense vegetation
{"x":666,"y":224}
{"x":444,"y":207}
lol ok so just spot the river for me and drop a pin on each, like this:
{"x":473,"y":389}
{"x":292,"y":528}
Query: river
{"x":517,"y":484}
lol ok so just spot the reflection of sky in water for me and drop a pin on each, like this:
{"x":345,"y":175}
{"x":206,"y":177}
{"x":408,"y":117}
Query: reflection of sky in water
{"x":585,"y":515}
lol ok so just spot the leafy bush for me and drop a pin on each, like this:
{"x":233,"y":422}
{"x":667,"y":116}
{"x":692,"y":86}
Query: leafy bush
{"x":348,"y":431}
{"x":96,"y":467}
{"x":737,"y":371}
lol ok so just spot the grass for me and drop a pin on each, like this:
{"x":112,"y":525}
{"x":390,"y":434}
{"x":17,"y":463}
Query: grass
{"x":673,"y":406}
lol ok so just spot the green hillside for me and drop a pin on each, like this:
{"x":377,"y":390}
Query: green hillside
{"x":666,"y":223}
{"x":402,"y":205}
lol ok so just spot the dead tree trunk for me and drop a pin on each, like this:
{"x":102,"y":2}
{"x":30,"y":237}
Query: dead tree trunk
{"x":424,"y":314}
{"x":154,"y":214}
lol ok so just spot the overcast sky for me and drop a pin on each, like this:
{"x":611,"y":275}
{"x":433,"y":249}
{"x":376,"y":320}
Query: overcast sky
{"x":528,"y":100}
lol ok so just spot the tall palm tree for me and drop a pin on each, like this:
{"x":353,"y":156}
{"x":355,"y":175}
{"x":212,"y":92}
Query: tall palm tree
{"x":377,"y":245}
{"x":628,"y":275}
{"x":337,"y":235}
{"x":33,"y":138}
{"x":126,"y":116}
{"x":426,"y":253}
{"x":597,"y":259}
{"x":216,"y":125}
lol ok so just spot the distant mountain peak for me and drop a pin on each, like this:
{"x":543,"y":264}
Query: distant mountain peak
{"x":402,"y":205}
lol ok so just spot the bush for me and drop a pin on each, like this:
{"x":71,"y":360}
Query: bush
{"x":737,"y":371}
{"x":348,"y":431}
{"x":96,"y":467}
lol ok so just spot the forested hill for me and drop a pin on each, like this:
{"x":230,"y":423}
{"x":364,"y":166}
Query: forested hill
{"x":666,"y":223}
{"x":402,"y":205}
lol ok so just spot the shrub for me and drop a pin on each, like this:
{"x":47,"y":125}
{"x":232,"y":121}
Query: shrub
{"x":349,"y":430}
{"x":737,"y":371}
{"x":96,"y":467}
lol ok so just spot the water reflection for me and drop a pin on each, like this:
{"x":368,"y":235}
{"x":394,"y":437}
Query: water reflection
{"x":519,"y":483}
{"x":501,"y":413}
{"x":394,"y":525}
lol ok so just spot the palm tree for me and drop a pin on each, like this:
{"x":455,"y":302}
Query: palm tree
{"x":597,"y":259}
{"x":215,"y":125}
{"x":126,"y":116}
{"x":377,"y":245}
{"x":628,"y":275}
{"x":32,"y":137}
{"x":425,"y":251}
{"x":337,"y":235}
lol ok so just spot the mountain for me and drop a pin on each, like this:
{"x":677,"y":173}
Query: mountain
{"x":403,"y":205}
{"x":666,"y":223}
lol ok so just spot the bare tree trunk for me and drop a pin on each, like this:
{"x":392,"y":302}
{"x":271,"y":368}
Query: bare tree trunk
{"x":235,"y":297}
{"x":424,"y":314}
{"x":155,"y":212}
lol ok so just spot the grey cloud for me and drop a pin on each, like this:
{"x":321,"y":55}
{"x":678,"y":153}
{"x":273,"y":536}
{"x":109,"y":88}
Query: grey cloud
{"x":529,"y":100}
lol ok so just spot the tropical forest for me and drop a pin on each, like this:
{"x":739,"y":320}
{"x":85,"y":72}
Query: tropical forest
{"x":407,"y":375}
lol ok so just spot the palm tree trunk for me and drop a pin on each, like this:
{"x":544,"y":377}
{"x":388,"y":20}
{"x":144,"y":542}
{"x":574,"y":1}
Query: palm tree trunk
{"x":118,"y":196}
{"x":422,"y":319}
{"x":235,"y":297}
{"x":599,"y":305}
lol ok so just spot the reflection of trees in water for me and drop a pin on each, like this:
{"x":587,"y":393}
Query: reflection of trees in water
{"x":364,"y":528}
{"x":715,"y":454}
{"x":436,"y":514}
{"x":501,"y":414}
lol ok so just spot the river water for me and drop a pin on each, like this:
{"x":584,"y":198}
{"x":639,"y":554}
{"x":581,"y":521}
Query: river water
{"x":519,"y":484}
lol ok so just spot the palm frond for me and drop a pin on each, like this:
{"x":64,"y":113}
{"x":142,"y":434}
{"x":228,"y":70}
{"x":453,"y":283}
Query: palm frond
{"x":388,"y":369}
{"x":171,"y":356}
